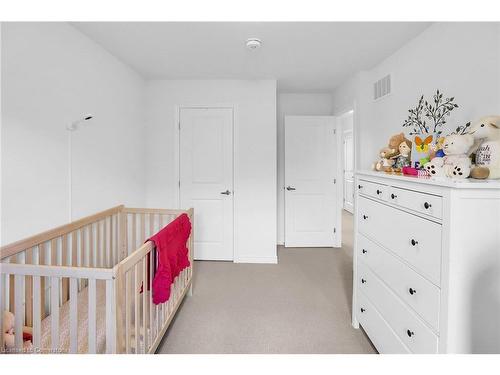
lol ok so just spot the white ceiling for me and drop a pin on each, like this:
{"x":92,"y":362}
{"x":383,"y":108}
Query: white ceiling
{"x":302,"y":56}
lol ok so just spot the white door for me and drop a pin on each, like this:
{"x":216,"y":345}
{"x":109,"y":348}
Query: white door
{"x":206,"y":178}
{"x":311,"y":200}
{"x":348,"y":171}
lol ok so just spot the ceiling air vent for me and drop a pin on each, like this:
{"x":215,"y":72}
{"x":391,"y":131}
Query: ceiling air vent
{"x":382,"y":87}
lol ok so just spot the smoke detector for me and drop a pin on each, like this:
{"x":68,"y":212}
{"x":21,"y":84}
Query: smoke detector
{"x":253,"y":43}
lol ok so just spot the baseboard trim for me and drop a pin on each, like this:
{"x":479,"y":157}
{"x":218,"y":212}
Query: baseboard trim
{"x":267,"y":260}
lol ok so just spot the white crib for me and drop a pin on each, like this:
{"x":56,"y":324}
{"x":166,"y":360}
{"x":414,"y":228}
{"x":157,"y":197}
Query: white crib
{"x":78,"y":287}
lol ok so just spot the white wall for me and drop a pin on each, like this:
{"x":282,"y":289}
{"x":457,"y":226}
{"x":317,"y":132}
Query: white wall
{"x":255,"y":154}
{"x":51,"y":75}
{"x":294,"y":104}
{"x":460,"y":59}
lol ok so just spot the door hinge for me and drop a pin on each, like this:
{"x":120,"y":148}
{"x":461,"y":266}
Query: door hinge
{"x":334,"y":131}
{"x":179,"y":183}
{"x":334,"y":180}
{"x":179,"y":125}
{"x":334,"y":230}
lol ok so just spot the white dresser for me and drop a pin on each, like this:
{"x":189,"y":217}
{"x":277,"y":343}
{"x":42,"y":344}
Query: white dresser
{"x":427,"y":264}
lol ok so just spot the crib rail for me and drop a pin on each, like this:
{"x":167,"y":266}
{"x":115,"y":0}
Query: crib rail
{"x":56,"y":233}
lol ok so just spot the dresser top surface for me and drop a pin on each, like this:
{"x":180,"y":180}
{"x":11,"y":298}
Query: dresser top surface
{"x":442,"y":181}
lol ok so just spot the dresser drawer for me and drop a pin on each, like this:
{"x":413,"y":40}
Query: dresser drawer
{"x":373,"y":189}
{"x":423,"y":203}
{"x":379,"y":331}
{"x":410,"y":329}
{"x":420,"y":294}
{"x":416,"y":240}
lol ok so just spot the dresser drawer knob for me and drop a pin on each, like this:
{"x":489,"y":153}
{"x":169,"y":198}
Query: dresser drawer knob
{"x":362,"y":310}
{"x":427,"y":205}
{"x":364,"y":251}
{"x":394,"y":196}
{"x":379,"y":192}
{"x":365,"y":217}
{"x":363,"y":281}
{"x":360,"y":186}
{"x":410,"y":333}
{"x":414,"y":243}
{"x":412,"y":291}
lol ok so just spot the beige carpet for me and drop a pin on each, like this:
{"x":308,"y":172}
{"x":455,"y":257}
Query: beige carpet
{"x":301,"y":305}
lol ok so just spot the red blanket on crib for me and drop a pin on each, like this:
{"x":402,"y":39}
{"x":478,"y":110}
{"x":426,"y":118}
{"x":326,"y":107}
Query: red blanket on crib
{"x":171,"y":254}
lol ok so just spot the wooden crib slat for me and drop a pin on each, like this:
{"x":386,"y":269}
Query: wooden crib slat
{"x":28,"y":295}
{"x":19,"y":316}
{"x":110,"y":318}
{"x":128,"y":300}
{"x":112,"y":239}
{"x":116,"y":239}
{"x":53,"y":252}
{"x":37,"y":311}
{"x":144,"y":303}
{"x":42,"y":254}
{"x":99,"y":249}
{"x":11,"y":288}
{"x":54,"y":313}
{"x":64,"y":262}
{"x":143,"y":228}
{"x":92,"y":316}
{"x":109,"y":241}
{"x":134,"y":232}
{"x":152,"y":325}
{"x":83,"y":253}
{"x":3,"y":294}
{"x":121,"y":236}
{"x":151,"y":224}
{"x":112,"y":260}
{"x":104,"y":250}
{"x":91,"y":245}
{"x":136,"y":308}
{"x":74,"y":248}
{"x":73,"y":315}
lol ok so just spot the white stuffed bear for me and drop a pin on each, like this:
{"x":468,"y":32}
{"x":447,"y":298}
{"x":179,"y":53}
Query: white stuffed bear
{"x":8,"y":333}
{"x":456,"y":162}
{"x":486,"y":133}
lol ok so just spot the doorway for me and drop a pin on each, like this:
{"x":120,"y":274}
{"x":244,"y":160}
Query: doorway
{"x":206,"y":178}
{"x":348,"y":162}
{"x":347,"y":125}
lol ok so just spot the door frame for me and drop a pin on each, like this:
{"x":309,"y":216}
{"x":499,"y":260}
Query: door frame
{"x":339,"y":181}
{"x":338,"y":114}
{"x":177,"y":157}
{"x":344,"y":136}
{"x":353,"y":106}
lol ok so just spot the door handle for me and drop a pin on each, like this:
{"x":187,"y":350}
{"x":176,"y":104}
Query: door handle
{"x":227,"y":192}
{"x":289,"y":188}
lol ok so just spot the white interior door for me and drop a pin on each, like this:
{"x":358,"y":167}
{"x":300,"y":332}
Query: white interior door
{"x":311,"y":199}
{"x":206,"y":178}
{"x":348,"y":171}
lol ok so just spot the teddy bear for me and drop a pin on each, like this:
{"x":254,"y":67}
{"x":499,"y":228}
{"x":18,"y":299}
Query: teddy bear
{"x":456,"y":162}
{"x":9,"y":337}
{"x":389,"y":153}
{"x":386,"y":161}
{"x":486,"y":133}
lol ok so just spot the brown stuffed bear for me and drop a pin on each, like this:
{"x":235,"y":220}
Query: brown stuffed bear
{"x":390,"y":153}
